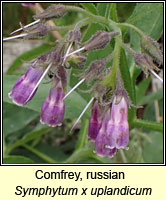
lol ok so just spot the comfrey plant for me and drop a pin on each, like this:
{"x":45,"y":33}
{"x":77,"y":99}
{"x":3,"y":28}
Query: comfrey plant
{"x":112,"y":98}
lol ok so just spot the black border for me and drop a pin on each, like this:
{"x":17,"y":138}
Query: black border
{"x":129,"y":164}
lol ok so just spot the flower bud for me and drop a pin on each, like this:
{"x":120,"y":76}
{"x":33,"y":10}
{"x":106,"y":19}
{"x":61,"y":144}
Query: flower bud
{"x":75,"y":36}
{"x":77,"y":61}
{"x":22,"y":90}
{"x":28,"y":4}
{"x":53,"y":108}
{"x":39,"y":31}
{"x":62,"y":74}
{"x":101,"y":139}
{"x":99,"y":40}
{"x":153,"y":48}
{"x":54,"y":11}
{"x":145,"y":62}
{"x":56,"y":56}
{"x":95,"y":70}
{"x":118,"y":129}
{"x":95,"y":121}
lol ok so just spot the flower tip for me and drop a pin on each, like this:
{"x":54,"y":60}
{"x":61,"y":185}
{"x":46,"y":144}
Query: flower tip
{"x":91,"y":139}
{"x":9,"y":95}
{"x":50,"y":125}
{"x":109,"y":147}
{"x":60,"y":124}
{"x":15,"y":102}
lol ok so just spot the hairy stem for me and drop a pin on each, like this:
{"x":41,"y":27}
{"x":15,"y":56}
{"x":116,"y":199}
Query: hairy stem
{"x":41,"y":155}
{"x":148,"y":125}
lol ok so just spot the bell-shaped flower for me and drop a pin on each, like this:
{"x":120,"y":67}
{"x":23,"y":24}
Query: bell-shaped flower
{"x":26,"y":87}
{"x":53,"y":108}
{"x":54,"y":11}
{"x":101,"y":148}
{"x":118,"y":128}
{"x":95,"y":121}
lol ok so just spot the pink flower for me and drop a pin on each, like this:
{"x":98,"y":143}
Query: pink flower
{"x":118,"y":128}
{"x":28,"y":4}
{"x":53,"y":108}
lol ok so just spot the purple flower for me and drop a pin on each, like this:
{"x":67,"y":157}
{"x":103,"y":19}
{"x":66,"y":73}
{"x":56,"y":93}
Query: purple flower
{"x":95,"y":122}
{"x":24,"y":89}
{"x":53,"y":108}
{"x":118,"y":128}
{"x":27,"y":4}
{"x":101,"y":148}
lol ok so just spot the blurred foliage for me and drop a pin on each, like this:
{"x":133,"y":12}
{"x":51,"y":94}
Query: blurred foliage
{"x":27,"y":141}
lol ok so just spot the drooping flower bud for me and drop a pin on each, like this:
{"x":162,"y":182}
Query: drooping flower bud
{"x":118,"y":128}
{"x":75,"y":36}
{"x":101,"y":139}
{"x":95,"y":121}
{"x":54,"y":11}
{"x":95,"y":70}
{"x":56,"y":56}
{"x":23,"y":88}
{"x":28,"y":4}
{"x":145,"y":62}
{"x":62,"y":74}
{"x":76,"y":61}
{"x":53,"y":108}
{"x":99,"y":40}
{"x":39,"y":31}
{"x":153,"y":48}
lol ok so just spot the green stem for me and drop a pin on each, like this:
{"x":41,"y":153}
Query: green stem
{"x":148,"y":125}
{"x":132,"y":27}
{"x":110,"y":79}
{"x":27,"y":138}
{"x":57,"y":28}
{"x":128,"y":49}
{"x":4,"y":146}
{"x":41,"y":155}
{"x":82,"y":153}
{"x":124,"y":159}
{"x":83,"y":135}
{"x":96,"y":18}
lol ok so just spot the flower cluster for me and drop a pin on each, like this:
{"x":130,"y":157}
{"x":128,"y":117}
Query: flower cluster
{"x":55,"y":62}
{"x":108,"y":124}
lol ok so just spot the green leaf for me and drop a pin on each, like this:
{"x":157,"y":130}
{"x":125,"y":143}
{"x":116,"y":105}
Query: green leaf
{"x":153,"y":152}
{"x":134,"y":44}
{"x":151,"y":97}
{"x":127,"y":84}
{"x":141,"y":89}
{"x":148,"y":125}
{"x":28,"y":137}
{"x":102,"y":8}
{"x":53,"y":152}
{"x":91,"y":30}
{"x":17,"y":160}
{"x":83,"y":134}
{"x":40,"y":154}
{"x":90,"y":7}
{"x":149,"y":18}
{"x":15,"y":117}
{"x":28,"y":56}
{"x":74,"y":103}
{"x":152,"y":110}
{"x":113,"y":12}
